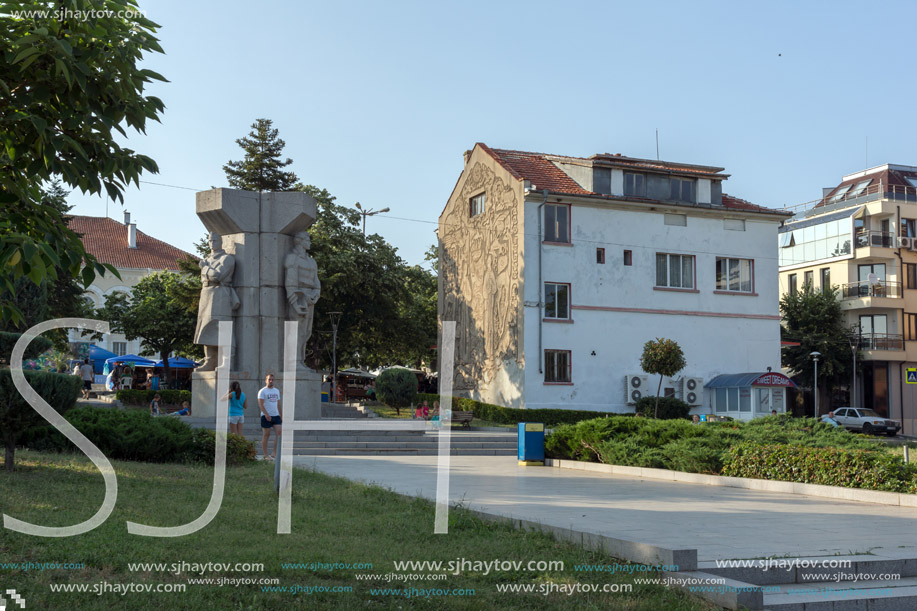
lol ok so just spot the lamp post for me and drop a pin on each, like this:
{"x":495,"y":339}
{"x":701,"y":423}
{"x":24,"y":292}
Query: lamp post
{"x":854,"y":346}
{"x":335,"y":319}
{"x":815,"y":356}
{"x":370,"y":212}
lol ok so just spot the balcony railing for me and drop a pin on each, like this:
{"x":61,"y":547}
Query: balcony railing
{"x":856,"y":290}
{"x":881,"y":341}
{"x":853,"y":197}
{"x":882,"y":239}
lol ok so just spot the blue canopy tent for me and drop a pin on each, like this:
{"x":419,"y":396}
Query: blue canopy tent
{"x":177,"y":362}
{"x":131,"y":359}
{"x":98,"y":355}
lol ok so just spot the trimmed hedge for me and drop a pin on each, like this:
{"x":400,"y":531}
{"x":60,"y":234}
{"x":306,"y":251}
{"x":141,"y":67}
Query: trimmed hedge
{"x":510,"y":415}
{"x":670,"y":408}
{"x":36,"y":346}
{"x":143,"y":397}
{"x":138,"y":436}
{"x":825,"y":466}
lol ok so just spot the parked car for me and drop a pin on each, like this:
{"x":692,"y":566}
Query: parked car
{"x":866,"y":421}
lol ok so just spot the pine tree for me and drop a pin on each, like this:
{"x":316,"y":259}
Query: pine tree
{"x":262,"y":168}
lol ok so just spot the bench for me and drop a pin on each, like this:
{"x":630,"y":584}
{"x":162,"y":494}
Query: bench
{"x":463,"y":418}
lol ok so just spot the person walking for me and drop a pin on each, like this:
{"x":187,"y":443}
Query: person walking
{"x":269,"y":402}
{"x":237,"y":404}
{"x":155,"y":409}
{"x":86,"y":373}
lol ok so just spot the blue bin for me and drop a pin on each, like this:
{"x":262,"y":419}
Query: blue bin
{"x":531,"y":442}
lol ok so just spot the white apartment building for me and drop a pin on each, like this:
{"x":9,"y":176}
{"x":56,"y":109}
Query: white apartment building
{"x":557,"y":271}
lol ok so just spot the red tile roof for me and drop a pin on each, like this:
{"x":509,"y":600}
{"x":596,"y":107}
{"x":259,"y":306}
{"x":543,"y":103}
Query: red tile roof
{"x":540,"y":171}
{"x":106,"y":239}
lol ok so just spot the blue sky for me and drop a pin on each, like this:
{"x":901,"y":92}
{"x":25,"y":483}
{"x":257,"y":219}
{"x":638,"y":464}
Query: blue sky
{"x":377,"y":101}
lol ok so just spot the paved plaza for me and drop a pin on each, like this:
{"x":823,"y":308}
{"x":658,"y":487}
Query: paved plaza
{"x":719,"y":522}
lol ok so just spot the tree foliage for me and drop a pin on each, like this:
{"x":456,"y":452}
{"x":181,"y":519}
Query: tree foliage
{"x":815,"y":321}
{"x":67,"y":84}
{"x":155,"y":313}
{"x":262,"y":167}
{"x":663,"y":357}
{"x":396,"y":388}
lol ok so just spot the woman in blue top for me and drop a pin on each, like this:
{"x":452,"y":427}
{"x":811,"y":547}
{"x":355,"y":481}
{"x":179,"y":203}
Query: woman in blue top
{"x":236,"y":406}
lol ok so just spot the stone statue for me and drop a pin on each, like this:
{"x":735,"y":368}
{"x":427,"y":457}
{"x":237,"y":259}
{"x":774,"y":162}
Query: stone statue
{"x":303,"y":289}
{"x":218,"y":299}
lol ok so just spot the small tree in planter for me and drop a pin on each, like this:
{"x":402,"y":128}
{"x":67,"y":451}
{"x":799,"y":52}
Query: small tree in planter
{"x":664,"y":357}
{"x":396,"y":388}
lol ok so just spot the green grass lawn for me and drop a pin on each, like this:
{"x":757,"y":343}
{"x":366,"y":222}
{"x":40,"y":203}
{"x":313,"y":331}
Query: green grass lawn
{"x":385,"y":411}
{"x":333,"y":521}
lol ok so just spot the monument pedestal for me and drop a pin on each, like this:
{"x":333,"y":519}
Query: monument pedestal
{"x":204,"y":394}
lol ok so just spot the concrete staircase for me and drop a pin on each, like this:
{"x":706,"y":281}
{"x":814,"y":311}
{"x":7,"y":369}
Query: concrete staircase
{"x":868,"y":583}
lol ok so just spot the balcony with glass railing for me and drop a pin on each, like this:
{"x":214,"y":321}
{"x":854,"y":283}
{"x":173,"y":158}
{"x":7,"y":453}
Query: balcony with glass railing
{"x":882,"y":288}
{"x":876,"y":239}
{"x":854,"y":197}
{"x":881,"y":341}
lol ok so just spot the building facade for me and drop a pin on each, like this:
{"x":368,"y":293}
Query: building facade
{"x":133,"y":253}
{"x":861,"y":236}
{"x":557,"y":271}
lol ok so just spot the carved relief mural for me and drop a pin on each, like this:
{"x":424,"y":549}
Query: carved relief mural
{"x":479,"y":268}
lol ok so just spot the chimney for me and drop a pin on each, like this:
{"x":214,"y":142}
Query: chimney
{"x":127,"y":217}
{"x":131,"y":234}
{"x":467,"y":156}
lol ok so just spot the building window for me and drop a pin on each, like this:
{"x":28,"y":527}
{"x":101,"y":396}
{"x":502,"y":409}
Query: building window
{"x":676,"y":220}
{"x":628,"y":257}
{"x":557,"y":223}
{"x":910,"y":275}
{"x":734,"y":224}
{"x":557,"y":366}
{"x":734,"y":275}
{"x":909,"y":228}
{"x":675,"y":271}
{"x":600,"y":256}
{"x":477,"y":204}
{"x":119,"y":348}
{"x":556,"y":300}
{"x":825,"y":278}
{"x":910,"y":326}
{"x":682,"y":189}
{"x":808,"y":280}
{"x":634,"y":184}
{"x":791,"y":280}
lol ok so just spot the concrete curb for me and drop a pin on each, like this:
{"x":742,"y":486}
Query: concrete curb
{"x":832,"y":492}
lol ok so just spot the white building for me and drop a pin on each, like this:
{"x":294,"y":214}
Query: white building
{"x":557,"y":271}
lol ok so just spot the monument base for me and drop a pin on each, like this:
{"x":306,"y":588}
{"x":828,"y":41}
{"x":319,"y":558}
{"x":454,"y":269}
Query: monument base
{"x":204,"y":394}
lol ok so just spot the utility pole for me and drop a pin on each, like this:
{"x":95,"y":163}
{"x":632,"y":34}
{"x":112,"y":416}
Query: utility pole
{"x":335,"y":319}
{"x":854,"y":345}
{"x":370,"y":212}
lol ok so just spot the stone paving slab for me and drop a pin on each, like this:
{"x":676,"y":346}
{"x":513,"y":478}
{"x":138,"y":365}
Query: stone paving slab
{"x":721,"y":523}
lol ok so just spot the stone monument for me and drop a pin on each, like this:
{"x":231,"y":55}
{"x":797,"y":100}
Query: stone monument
{"x":262,"y":277}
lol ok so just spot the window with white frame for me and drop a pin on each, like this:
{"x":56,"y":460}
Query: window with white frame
{"x":735,"y":399}
{"x":557,"y":223}
{"x":477,"y":205}
{"x":734,"y":275}
{"x":557,"y":366}
{"x":675,"y":271}
{"x":119,"y":348}
{"x":557,"y":300}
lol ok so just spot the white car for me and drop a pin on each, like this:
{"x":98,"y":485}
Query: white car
{"x":866,"y":421}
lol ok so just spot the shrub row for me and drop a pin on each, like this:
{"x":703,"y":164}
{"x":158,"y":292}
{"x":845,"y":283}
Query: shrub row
{"x":826,"y":466}
{"x":135,"y":435}
{"x":143,"y":397}
{"x":510,"y":415}
{"x":670,"y":408}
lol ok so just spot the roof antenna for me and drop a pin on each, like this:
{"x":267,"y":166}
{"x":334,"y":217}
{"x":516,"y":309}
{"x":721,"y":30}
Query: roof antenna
{"x":657,"y":144}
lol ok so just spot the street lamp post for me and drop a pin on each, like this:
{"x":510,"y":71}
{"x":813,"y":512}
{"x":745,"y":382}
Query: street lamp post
{"x":854,"y":345}
{"x":335,"y":319}
{"x":815,"y":356}
{"x":370,"y":212}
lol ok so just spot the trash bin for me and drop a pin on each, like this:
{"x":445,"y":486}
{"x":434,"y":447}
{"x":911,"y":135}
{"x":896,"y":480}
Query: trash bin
{"x":531,"y":443}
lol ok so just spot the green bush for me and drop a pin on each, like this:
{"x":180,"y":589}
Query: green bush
{"x":826,"y":466}
{"x":36,"y":346}
{"x":396,"y":388}
{"x":17,"y":417}
{"x":670,"y":408}
{"x":143,"y":397}
{"x":510,"y":415}
{"x":138,"y":436}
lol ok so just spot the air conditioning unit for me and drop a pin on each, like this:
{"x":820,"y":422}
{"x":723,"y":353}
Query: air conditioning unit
{"x":636,"y":388}
{"x":692,"y":390}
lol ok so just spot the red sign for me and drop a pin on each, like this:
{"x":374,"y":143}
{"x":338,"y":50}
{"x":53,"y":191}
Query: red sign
{"x":773,"y":379}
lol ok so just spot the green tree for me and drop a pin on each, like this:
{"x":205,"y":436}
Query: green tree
{"x":262,"y":168}
{"x":155,"y":313}
{"x":663,"y":357}
{"x":396,"y":388}
{"x":815,"y":321}
{"x":66,"y":86}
